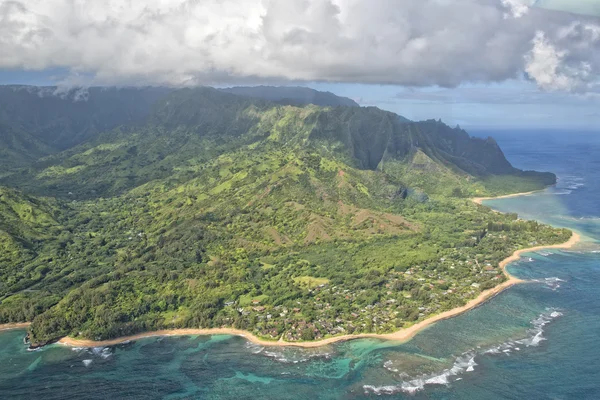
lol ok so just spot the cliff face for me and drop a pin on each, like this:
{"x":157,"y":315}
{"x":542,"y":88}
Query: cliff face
{"x":371,"y":135}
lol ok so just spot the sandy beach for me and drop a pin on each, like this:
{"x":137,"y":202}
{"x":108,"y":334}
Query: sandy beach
{"x":20,"y":325}
{"x":480,"y":200}
{"x":402,"y":335}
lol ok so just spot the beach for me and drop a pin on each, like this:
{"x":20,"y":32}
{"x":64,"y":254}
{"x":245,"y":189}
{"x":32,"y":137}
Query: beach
{"x":402,"y":335}
{"x":19,"y":325}
{"x":480,"y":200}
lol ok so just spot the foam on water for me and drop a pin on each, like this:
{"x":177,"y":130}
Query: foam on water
{"x":103,"y":352}
{"x":553,"y":282}
{"x":87,"y":363}
{"x":537,"y":331}
{"x":462,"y":364}
{"x":466,"y":362}
{"x":545,"y":253}
{"x":287,"y":356}
{"x":564,"y":192}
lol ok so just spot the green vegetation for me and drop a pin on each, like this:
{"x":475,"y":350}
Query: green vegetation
{"x":293,"y":222}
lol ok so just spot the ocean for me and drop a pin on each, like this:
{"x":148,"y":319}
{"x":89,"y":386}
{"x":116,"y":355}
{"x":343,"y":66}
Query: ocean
{"x":538,"y":340}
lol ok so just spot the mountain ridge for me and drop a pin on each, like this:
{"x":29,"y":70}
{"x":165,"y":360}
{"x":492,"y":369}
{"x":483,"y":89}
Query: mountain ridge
{"x":369,"y":136}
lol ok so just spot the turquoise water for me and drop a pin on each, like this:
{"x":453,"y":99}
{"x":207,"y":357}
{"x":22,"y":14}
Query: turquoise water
{"x":538,"y":340}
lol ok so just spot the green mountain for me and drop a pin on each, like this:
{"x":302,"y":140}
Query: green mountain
{"x":190,"y":125}
{"x":212,"y":209}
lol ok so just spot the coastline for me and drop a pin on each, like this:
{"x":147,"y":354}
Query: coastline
{"x":17,"y":325}
{"x":400,"y":336}
{"x":480,"y":200}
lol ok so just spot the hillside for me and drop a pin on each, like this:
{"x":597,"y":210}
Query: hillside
{"x":223,"y":210}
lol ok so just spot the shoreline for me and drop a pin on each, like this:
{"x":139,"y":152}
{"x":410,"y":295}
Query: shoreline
{"x":400,"y":336}
{"x":480,"y":200}
{"x":16,"y":325}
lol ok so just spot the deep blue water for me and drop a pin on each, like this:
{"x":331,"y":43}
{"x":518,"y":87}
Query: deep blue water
{"x":535,"y":341}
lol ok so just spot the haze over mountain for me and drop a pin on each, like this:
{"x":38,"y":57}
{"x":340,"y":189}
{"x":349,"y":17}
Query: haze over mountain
{"x":292,"y":96}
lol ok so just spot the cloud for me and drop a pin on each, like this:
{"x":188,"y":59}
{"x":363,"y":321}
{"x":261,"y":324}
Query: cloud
{"x":519,"y":94}
{"x":517,"y":8}
{"x":191,"y":42}
{"x":569,"y":60}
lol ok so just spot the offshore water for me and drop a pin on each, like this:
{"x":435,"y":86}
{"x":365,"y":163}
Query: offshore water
{"x":539,"y":340}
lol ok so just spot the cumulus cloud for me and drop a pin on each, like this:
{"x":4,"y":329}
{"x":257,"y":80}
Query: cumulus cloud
{"x":568,"y":59}
{"x":190,"y":42}
{"x":517,"y":8}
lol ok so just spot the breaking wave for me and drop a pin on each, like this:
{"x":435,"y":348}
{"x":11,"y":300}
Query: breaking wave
{"x":101,"y":352}
{"x":466,"y":362}
{"x":553,"y":283}
{"x":563,"y":192}
{"x":545,"y":253}
{"x":287,"y":356}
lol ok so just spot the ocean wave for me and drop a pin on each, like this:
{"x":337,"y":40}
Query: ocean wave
{"x":287,"y":356}
{"x":293,"y":358}
{"x":103,"y":352}
{"x":87,"y":363}
{"x":535,"y":334}
{"x":591,"y":219}
{"x":553,"y":282}
{"x":466,"y":362}
{"x":563,"y":192}
{"x":571,"y":180}
{"x":254,"y":348}
{"x":572,"y":183}
{"x":389,"y":365}
{"x":545,"y":253}
{"x":36,"y":349}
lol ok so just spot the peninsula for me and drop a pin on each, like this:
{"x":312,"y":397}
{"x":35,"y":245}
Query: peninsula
{"x":161,"y":210}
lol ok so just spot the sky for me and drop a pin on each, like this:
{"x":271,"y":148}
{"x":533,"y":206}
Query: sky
{"x":476,"y":63}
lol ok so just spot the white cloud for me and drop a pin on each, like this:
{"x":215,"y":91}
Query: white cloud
{"x":517,"y":8}
{"x":567,"y":61}
{"x":544,"y":64}
{"x":188,"y":42}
